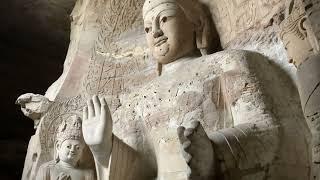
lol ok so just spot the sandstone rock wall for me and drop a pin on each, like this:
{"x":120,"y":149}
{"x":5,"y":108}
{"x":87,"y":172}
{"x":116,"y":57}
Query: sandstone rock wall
{"x":108,"y":56}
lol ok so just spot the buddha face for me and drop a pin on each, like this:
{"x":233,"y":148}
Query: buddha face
{"x":170,"y":35}
{"x":298,"y":48}
{"x":70,"y":151}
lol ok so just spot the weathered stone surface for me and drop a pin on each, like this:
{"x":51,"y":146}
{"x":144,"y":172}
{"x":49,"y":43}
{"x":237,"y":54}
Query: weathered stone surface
{"x":68,"y":159}
{"x":299,"y":32}
{"x":233,"y":18}
{"x":33,"y":106}
{"x":246,"y":102}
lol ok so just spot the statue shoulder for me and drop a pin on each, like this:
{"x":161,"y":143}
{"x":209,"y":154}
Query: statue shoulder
{"x":236,"y":55}
{"x":47,"y":165}
{"x":229,"y":60}
{"x":44,"y":171}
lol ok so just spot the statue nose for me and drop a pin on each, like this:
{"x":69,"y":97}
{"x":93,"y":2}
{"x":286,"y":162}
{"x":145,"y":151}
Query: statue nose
{"x":157,"y":33}
{"x":72,"y":149}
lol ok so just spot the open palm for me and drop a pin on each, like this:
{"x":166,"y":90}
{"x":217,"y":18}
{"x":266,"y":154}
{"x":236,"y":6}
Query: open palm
{"x":97,"y":127}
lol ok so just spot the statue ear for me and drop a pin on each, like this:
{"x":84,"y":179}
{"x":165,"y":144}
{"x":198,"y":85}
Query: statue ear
{"x":302,"y":26}
{"x":202,"y":35}
{"x":57,"y":146}
{"x":307,"y":31}
{"x":56,"y":149}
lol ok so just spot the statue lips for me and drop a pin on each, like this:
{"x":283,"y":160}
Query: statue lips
{"x":160,"y":41}
{"x":72,"y":154}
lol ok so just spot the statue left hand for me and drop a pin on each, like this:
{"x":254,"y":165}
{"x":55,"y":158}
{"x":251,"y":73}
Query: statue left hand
{"x":198,"y":151}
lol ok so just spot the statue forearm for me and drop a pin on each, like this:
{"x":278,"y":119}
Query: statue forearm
{"x":123,"y":160}
{"x":123,"y":164}
{"x":255,"y":135}
{"x":241,"y":149}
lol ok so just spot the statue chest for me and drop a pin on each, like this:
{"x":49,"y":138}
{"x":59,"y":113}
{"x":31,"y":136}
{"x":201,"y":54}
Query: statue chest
{"x":166,"y":104}
{"x":57,"y":172}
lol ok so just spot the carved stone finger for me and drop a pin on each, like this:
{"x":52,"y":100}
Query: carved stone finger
{"x":199,"y":130}
{"x":194,"y":124}
{"x":104,"y":107}
{"x":189,"y":132}
{"x":186,"y":144}
{"x":97,"y":105}
{"x":85,"y":113}
{"x":187,"y":157}
{"x":105,"y":113}
{"x":103,"y":101}
{"x":181,"y":136}
{"x":90,"y":109}
{"x":104,"y":104}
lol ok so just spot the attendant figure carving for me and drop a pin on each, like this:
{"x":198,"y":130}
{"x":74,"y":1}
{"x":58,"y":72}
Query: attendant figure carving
{"x":69,"y":146}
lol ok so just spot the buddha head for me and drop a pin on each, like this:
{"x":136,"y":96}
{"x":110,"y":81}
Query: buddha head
{"x":176,"y":28}
{"x":296,"y":33}
{"x":69,"y":142}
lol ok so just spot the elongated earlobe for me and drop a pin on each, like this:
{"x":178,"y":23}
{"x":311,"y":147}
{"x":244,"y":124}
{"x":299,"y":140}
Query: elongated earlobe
{"x":307,"y":31}
{"x":202,"y":36}
{"x":302,"y":27}
{"x":56,"y":152}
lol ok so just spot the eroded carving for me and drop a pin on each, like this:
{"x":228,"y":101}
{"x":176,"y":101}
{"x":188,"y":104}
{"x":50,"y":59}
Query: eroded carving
{"x":234,"y":18}
{"x":294,"y":34}
{"x":234,"y":94}
{"x":69,"y":147}
{"x":34,"y":106}
{"x":300,"y":39}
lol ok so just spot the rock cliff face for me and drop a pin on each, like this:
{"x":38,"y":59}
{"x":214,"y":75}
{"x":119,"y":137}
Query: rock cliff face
{"x":113,"y":30}
{"x":108,"y":56}
{"x":34,"y":38}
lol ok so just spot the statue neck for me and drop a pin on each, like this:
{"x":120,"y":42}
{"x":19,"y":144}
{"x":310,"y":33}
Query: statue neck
{"x":173,"y":66}
{"x":67,"y":165}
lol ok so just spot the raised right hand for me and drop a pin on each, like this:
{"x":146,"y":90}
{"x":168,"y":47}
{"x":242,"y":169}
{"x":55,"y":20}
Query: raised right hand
{"x":97,"y":128}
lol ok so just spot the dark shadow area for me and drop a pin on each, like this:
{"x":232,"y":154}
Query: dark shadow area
{"x":34,"y":37}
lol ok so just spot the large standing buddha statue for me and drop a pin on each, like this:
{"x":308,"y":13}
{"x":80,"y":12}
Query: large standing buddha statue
{"x":204,"y":117}
{"x":227,"y":115}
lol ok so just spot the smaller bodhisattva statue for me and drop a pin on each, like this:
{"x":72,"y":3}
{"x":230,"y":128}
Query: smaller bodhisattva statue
{"x":69,"y":146}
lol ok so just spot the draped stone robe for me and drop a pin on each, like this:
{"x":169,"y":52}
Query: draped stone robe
{"x":50,"y":171}
{"x":224,"y":92}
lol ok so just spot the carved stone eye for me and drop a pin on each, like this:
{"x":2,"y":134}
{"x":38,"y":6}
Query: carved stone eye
{"x":164,"y":19}
{"x":147,"y":30}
